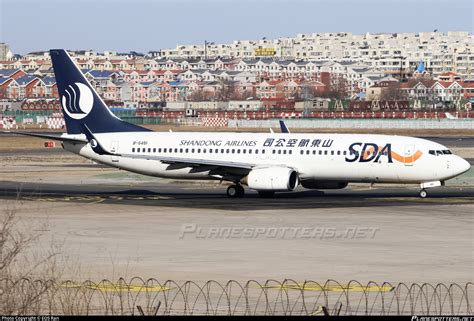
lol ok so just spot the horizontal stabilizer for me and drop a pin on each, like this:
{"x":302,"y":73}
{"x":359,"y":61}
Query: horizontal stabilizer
{"x":53,"y":137}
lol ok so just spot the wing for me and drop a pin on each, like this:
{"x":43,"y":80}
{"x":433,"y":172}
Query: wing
{"x":225,"y":170}
{"x":191,"y":161}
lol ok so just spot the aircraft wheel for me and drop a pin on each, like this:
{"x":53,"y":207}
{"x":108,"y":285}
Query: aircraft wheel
{"x":235,"y":191}
{"x":240,"y":190}
{"x":423,"y":193}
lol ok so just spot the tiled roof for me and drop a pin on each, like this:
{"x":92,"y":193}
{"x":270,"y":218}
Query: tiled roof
{"x":8,"y":72}
{"x":26,"y":79}
{"x":49,"y":81}
{"x":147,"y":83}
{"x":100,"y":73}
{"x":4,"y":80}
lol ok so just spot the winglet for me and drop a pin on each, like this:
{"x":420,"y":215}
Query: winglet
{"x":283,"y":127}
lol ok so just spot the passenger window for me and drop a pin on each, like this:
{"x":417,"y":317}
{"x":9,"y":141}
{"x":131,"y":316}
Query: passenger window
{"x":302,"y":152}
{"x":263,"y":151}
{"x":244,"y":151}
{"x":133,"y":150}
{"x":180,"y":150}
{"x":227,"y":151}
{"x":344,"y":153}
{"x":250,"y":151}
{"x":332,"y":152}
{"x":233,"y":151}
{"x":307,"y":152}
{"x":284,"y":152}
{"x":339,"y":152}
{"x":187,"y":150}
{"x":256,"y":151}
{"x":325,"y":152}
{"x":290,"y":152}
{"x":154,"y":150}
{"x":192,"y":150}
{"x":238,"y":151}
{"x":204,"y":150}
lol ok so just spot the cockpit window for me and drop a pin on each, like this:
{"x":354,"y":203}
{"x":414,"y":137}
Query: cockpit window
{"x":440,"y":152}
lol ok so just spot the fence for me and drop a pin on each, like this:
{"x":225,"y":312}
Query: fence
{"x":289,"y":297}
{"x":359,"y":123}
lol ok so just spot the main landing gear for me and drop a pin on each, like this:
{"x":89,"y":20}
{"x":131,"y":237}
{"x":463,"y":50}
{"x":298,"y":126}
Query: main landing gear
{"x":235,"y":191}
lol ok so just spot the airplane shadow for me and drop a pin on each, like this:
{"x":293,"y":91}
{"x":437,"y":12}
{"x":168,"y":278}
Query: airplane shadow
{"x":177,"y":197}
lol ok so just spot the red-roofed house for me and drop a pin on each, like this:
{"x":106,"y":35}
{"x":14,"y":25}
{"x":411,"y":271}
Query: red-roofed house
{"x":287,"y":89}
{"x":266,"y":89}
{"x":449,"y":76}
{"x":468,"y":89}
{"x":4,"y":84}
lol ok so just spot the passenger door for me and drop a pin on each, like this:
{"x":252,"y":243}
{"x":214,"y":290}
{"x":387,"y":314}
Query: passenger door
{"x":408,"y":154}
{"x":114,"y":148}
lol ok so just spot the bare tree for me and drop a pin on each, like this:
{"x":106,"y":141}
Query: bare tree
{"x":18,"y":267}
{"x":226,"y":90}
{"x":393,"y":92}
{"x":197,"y":95}
{"x":337,"y":89}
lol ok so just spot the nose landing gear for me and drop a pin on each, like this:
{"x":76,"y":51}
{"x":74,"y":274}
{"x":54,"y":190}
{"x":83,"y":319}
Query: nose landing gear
{"x":235,"y":191}
{"x":424,"y":186}
{"x":423,"y":193}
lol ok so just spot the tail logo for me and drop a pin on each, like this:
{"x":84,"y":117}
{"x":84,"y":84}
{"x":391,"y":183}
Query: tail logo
{"x":77,"y":100}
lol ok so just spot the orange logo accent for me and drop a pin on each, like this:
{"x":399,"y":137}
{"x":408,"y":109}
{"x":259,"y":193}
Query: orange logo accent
{"x":407,"y":159}
{"x":399,"y":158}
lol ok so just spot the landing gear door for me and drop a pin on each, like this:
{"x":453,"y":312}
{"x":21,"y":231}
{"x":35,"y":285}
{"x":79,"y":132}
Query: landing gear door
{"x":114,"y":148}
{"x":408,"y":155}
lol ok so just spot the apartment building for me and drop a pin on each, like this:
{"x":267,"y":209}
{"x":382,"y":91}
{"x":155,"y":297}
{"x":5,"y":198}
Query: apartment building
{"x":394,"y":53}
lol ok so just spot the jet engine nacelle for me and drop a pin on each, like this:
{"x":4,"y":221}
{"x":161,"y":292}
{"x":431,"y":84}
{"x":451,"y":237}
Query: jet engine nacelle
{"x":314,"y":184}
{"x":272,"y":179}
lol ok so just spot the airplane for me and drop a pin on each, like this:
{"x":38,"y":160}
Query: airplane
{"x":265,"y":162}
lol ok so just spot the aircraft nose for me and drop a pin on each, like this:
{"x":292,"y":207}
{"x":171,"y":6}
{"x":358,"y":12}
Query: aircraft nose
{"x":461,"y":166}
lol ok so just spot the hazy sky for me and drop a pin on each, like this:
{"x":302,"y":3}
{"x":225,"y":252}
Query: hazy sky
{"x":144,"y":25}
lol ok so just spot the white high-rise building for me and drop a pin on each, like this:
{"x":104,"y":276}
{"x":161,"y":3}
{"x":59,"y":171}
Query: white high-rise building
{"x":392,"y":53}
{"x":5,"y":52}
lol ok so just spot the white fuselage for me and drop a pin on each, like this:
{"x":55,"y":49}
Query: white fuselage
{"x":324,"y":157}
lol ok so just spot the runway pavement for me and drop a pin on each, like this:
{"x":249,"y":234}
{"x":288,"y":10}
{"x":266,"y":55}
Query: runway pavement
{"x":112,"y":223}
{"x":188,"y":195}
{"x":183,"y":231}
